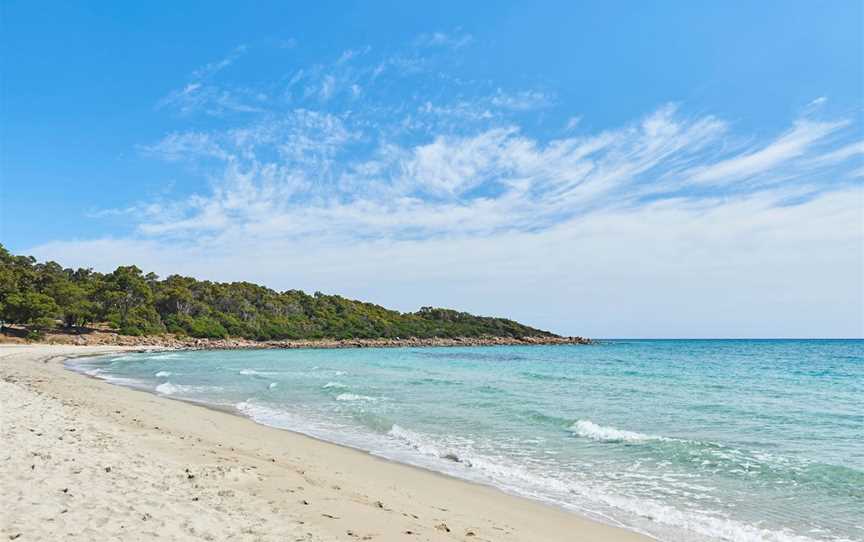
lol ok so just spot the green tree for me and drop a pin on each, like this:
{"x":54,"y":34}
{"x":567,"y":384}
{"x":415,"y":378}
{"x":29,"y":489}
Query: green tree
{"x":75,"y":305}
{"x":126,"y":289}
{"x":31,"y":308}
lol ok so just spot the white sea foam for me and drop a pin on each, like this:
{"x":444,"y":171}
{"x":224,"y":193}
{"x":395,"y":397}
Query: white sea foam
{"x":255,"y":372}
{"x":514,"y":477}
{"x":337,"y":385}
{"x":425,"y":445}
{"x":165,"y":356}
{"x":600,"y":433}
{"x":163,"y":374}
{"x":273,"y":385}
{"x":354,"y":397}
{"x":167,"y":388}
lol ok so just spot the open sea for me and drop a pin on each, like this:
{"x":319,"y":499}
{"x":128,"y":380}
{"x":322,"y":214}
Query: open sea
{"x":740,"y":440}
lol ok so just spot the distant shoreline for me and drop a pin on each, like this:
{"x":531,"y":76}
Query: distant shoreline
{"x":109,"y":338}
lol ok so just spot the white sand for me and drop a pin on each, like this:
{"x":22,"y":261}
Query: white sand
{"x":81,"y":459}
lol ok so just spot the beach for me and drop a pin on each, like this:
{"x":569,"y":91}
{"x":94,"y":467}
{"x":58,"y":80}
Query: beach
{"x":84,"y":459}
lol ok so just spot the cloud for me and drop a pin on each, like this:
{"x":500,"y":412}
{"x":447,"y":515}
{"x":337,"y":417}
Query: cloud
{"x":178,"y":146}
{"x":203,"y":93}
{"x":306,"y":172}
{"x":454,"y":40}
{"x":790,"y":145}
{"x":572,"y":123}
{"x":818,"y":102}
{"x":210,"y":69}
{"x":521,"y":101}
{"x":328,"y":86}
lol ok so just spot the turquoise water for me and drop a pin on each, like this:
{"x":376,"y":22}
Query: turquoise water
{"x":684,"y":440}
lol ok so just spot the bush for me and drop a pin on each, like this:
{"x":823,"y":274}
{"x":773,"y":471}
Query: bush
{"x":205,"y":327}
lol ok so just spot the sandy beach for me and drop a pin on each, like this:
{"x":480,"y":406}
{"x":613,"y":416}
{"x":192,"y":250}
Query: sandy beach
{"x":83,"y":459}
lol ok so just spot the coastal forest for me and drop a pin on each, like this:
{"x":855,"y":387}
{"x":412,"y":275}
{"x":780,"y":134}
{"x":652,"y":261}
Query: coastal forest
{"x":43,"y":296}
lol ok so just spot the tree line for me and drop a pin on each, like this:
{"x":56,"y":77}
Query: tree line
{"x":46,"y":295}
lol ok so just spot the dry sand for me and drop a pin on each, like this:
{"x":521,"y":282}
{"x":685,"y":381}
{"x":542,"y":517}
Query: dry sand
{"x":81,"y":459}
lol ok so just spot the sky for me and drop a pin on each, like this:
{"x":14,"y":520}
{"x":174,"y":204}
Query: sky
{"x":604,"y":169}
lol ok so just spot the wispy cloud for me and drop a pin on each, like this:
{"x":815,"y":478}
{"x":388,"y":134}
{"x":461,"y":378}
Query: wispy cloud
{"x":452,"y":40}
{"x":306,"y":172}
{"x":203,"y":93}
{"x":789,"y":146}
{"x":521,"y":101}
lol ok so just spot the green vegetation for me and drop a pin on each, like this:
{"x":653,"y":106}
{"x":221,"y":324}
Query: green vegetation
{"x":45,"y":295}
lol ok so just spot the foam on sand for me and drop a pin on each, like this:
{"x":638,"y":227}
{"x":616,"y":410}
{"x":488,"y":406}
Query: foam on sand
{"x":167,"y":388}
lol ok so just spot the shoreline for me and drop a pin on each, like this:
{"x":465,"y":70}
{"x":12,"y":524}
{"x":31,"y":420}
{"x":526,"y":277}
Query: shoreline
{"x":234,"y":411}
{"x":289,"y":484}
{"x":100,"y":337}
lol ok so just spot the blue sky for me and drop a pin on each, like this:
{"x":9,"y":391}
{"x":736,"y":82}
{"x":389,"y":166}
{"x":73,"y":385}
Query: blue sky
{"x":606,"y":169}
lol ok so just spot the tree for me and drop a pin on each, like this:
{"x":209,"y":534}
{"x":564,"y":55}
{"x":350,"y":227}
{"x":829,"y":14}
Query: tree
{"x":31,"y":308}
{"x":176,"y":299}
{"x":73,"y":300}
{"x":125,"y":289}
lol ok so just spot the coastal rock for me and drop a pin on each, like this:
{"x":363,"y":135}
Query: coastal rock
{"x":105,"y":337}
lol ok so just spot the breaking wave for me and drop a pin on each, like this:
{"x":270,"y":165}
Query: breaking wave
{"x":331,"y":385}
{"x":600,"y":433}
{"x":167,"y":388}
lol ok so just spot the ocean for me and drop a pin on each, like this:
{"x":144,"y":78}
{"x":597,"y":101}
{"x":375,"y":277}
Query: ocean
{"x":702,"y":440}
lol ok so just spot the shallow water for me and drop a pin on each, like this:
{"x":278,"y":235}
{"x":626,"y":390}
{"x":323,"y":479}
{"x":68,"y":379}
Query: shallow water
{"x":684,"y":440}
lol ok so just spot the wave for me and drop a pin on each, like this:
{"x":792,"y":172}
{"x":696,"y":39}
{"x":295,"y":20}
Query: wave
{"x":255,"y":372}
{"x":646,"y":513}
{"x":425,"y":445}
{"x":355,"y":397}
{"x":735,"y":463}
{"x":164,"y":356}
{"x":167,"y":388}
{"x":327,"y":369}
{"x":273,"y":385}
{"x":600,"y":433}
{"x":163,"y":374}
{"x":337,"y":385}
